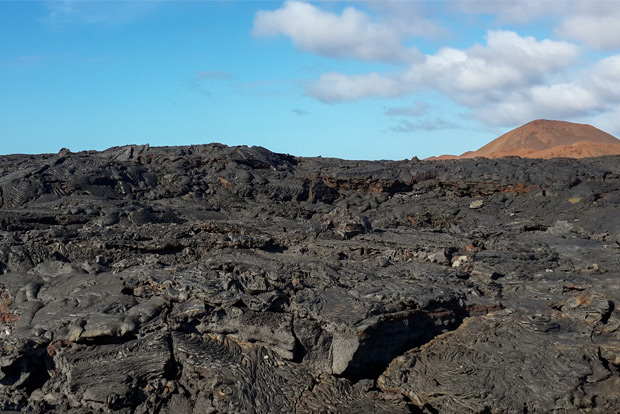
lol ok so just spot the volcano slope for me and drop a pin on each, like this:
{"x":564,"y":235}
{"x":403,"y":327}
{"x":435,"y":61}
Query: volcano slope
{"x":214,"y":279}
{"x":543,"y":138}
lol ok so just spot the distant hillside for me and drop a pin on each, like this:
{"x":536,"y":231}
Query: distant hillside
{"x":547,"y":139}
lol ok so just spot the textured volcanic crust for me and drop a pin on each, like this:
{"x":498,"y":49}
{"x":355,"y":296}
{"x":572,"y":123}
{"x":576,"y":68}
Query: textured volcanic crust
{"x":505,"y":363}
{"x":235,"y":280}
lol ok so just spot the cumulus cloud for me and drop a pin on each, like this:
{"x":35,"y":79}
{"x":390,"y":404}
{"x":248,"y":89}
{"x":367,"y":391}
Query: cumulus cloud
{"x":557,"y":101}
{"x":508,"y":61}
{"x":608,"y":68}
{"x":351,"y":34}
{"x":594,"y":91}
{"x":595,"y":23}
{"x":335,"y":87}
{"x":564,"y":97}
{"x":508,"y":79}
{"x":601,"y":32}
{"x":519,"y":11}
{"x":412,"y":18}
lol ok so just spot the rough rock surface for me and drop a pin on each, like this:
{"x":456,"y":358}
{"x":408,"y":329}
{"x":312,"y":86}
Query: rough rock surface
{"x":211,"y":279}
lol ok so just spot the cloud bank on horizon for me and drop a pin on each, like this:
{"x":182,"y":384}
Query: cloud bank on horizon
{"x":354,"y":79}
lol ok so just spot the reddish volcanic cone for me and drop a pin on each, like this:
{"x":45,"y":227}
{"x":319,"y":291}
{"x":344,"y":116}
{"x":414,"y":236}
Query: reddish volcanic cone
{"x":548,"y":139}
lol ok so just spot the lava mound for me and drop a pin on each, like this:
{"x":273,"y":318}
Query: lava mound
{"x":215,"y":279}
{"x":548,"y":139}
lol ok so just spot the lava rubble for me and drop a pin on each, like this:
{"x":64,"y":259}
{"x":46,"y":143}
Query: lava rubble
{"x":215,"y":279}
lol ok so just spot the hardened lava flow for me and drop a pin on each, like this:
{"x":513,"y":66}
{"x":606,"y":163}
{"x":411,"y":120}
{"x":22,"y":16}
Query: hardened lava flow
{"x":215,"y":279}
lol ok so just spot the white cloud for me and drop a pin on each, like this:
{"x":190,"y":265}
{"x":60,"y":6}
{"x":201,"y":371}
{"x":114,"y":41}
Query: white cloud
{"x":556,"y":101}
{"x":507,"y":80}
{"x":435,"y":124}
{"x":514,"y":110}
{"x":528,"y":11}
{"x":335,"y":87}
{"x":507,"y":62}
{"x":564,"y":98}
{"x":515,"y":11}
{"x":412,"y":18}
{"x":455,"y":70}
{"x":351,"y":34}
{"x":593,"y":22}
{"x":601,"y":32}
{"x":609,"y":68}
{"x":510,"y":80}
{"x":594,"y":92}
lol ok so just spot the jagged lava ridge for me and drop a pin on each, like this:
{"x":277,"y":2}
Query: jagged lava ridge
{"x":232,"y":279}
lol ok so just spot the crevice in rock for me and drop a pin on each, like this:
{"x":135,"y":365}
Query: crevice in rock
{"x":299,"y":351}
{"x":161,"y":250}
{"x":605,"y":363}
{"x":395,"y":334}
{"x":429,"y":409}
{"x":173,"y":369}
{"x":605,"y":317}
{"x":534,"y":227}
{"x":29,"y":371}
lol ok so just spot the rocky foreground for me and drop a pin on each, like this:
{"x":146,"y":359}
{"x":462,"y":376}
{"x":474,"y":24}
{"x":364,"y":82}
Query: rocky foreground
{"x":210,"y":279}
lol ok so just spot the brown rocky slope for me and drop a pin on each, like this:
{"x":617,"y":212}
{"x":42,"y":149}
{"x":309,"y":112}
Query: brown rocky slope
{"x":547,"y":139}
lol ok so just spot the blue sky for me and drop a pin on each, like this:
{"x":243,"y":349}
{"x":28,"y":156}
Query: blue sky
{"x":355,"y":79}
